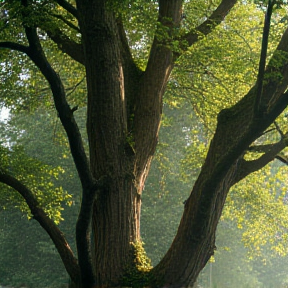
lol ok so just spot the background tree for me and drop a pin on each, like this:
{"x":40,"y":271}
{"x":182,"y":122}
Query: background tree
{"x":124,"y":105}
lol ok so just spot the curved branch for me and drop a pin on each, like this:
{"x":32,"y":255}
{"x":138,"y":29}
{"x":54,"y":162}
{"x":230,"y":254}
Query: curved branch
{"x":77,"y":150}
{"x":36,"y":54}
{"x":206,"y":27}
{"x":58,"y":238}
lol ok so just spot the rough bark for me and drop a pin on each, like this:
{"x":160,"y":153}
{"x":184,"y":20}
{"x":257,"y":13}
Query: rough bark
{"x":113,"y":219}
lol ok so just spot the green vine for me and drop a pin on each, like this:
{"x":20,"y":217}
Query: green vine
{"x":137,"y":274}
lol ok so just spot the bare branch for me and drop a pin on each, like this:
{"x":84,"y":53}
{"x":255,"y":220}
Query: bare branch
{"x":279,"y":130}
{"x":72,"y":89}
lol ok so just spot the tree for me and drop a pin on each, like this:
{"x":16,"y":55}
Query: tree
{"x":124,"y":107}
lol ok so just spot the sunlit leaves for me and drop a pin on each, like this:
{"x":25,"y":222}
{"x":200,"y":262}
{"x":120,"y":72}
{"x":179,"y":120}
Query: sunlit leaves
{"x":140,"y":24}
{"x":24,"y":86}
{"x":259,"y":206}
{"x":214,"y":74}
{"x":38,"y":177}
{"x":222,"y":67}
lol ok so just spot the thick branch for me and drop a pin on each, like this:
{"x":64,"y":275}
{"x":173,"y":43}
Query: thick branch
{"x":236,"y":129}
{"x":65,"y":44}
{"x":76,"y":145}
{"x":206,"y":27}
{"x":62,"y":246}
{"x":66,"y":116}
{"x":159,"y":66}
{"x":152,"y":86}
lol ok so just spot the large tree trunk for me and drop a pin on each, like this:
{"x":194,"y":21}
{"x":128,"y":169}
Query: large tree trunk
{"x":116,"y":213}
{"x":124,"y":112}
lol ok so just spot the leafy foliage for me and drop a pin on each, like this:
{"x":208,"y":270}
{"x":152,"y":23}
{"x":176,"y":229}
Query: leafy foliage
{"x":137,"y":275}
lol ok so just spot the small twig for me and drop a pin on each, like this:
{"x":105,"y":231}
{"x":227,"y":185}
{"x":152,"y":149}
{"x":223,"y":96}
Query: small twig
{"x":75,"y":87}
{"x":279,"y":130}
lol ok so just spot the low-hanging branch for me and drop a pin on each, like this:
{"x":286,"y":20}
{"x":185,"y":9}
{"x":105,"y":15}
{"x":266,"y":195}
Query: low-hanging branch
{"x":50,"y":227}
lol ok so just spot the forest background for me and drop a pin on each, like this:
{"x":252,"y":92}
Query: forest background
{"x":251,"y":245}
